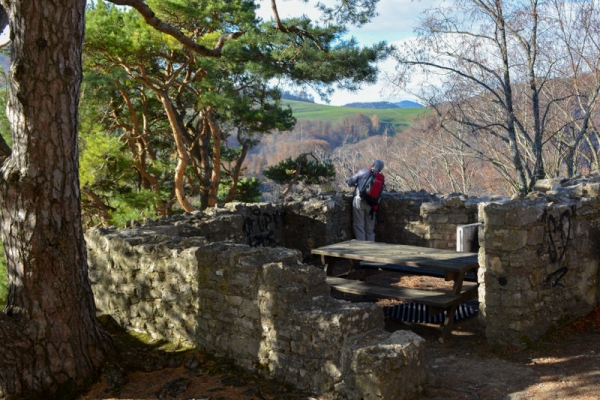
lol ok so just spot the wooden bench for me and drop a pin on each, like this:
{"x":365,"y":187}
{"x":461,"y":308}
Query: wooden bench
{"x":448,"y":264}
{"x":436,"y":299}
{"x":405,"y":269}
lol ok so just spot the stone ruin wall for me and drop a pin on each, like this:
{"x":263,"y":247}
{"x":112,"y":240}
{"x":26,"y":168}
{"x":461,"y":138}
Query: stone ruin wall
{"x":415,"y":218}
{"x":421,"y":219}
{"x":538,"y":269}
{"x":259,"y":306}
{"x":539,"y":261}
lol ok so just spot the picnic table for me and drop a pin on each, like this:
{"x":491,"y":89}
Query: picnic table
{"x":367,"y":257}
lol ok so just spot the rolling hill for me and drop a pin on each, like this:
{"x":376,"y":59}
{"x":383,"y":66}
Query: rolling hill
{"x":396,"y":117}
{"x":385,"y":104}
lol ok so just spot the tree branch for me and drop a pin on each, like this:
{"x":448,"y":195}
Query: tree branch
{"x":161,"y":26}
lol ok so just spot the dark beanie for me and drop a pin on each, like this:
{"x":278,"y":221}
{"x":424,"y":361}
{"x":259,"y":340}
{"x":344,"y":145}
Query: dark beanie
{"x":378,"y":165}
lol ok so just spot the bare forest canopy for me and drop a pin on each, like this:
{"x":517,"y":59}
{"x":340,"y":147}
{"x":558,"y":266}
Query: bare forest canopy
{"x":515,"y":84}
{"x":418,"y":155}
{"x":328,"y":131}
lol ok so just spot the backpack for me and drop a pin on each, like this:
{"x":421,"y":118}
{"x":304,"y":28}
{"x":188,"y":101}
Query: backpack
{"x":372,"y":189}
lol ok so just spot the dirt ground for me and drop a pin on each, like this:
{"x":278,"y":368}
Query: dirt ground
{"x":565,"y":365}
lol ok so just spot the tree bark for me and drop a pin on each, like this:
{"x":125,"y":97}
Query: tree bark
{"x":215,"y":178}
{"x":50,"y":340}
{"x":182,"y":152}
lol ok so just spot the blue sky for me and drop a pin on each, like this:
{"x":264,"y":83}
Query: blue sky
{"x":394,"y":24}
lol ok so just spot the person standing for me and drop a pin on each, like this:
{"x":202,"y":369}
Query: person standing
{"x":363,"y":216}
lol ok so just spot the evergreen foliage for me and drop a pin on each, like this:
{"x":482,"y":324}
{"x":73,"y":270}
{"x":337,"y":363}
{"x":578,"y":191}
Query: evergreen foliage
{"x":301,"y":169}
{"x":248,"y":191}
{"x":188,"y":115}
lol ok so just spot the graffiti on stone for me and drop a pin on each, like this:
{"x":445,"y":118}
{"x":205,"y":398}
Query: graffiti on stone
{"x":556,"y":240}
{"x":260,"y":228}
{"x":553,"y":279}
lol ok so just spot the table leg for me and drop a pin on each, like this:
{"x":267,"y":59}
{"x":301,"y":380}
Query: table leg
{"x":448,"y":323}
{"x":458,"y":282}
{"x":328,"y":263}
{"x":451,"y":311}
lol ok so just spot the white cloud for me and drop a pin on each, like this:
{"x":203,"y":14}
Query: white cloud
{"x":380,"y":91}
{"x":396,"y":22}
{"x":396,"y":19}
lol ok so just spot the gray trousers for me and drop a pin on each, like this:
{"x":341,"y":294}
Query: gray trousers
{"x":362,"y":223}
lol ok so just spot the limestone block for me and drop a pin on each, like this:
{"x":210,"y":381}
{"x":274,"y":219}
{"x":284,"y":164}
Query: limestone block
{"x":459,"y":218}
{"x":254,"y":257}
{"x":589,"y":206}
{"x":536,"y":277}
{"x":246,"y":346}
{"x":522,"y":215}
{"x":436,"y":218}
{"x":102,"y":300}
{"x":118,"y":302}
{"x":375,"y":359}
{"x":573,"y":191}
{"x":509,"y":240}
{"x":491,"y":214}
{"x":453,"y":202}
{"x":430,"y":208}
{"x":545,"y":185}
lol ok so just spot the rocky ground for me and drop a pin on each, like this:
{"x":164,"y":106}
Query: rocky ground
{"x":565,"y":365}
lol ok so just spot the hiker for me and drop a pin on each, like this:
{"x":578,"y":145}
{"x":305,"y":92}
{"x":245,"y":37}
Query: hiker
{"x":363,"y":213}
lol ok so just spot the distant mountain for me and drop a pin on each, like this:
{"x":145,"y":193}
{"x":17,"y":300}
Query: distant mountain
{"x":384,"y":104}
{"x":408,"y":104}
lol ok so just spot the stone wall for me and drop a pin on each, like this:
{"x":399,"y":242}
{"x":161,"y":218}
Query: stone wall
{"x":259,"y":306}
{"x":415,"y":218}
{"x":218,"y":280}
{"x":205,"y":278}
{"x":422,"y":219}
{"x":538,"y":262}
{"x":316,"y":222}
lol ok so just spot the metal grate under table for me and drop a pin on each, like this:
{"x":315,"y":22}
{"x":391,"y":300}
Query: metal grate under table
{"x":414,"y":312}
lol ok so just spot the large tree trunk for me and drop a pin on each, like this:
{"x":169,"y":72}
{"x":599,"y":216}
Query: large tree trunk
{"x":50,"y":340}
{"x":215,"y":178}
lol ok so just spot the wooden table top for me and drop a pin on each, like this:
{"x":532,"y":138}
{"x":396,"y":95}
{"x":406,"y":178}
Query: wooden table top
{"x":414,"y":256}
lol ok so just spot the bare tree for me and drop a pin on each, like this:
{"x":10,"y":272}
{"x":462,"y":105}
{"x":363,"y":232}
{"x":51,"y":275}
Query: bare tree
{"x":578,"y":35}
{"x":424,"y":157}
{"x":489,"y":65}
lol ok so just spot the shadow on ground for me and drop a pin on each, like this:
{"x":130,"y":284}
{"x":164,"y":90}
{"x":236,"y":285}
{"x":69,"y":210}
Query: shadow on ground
{"x":565,"y":365}
{"x":146,"y":369}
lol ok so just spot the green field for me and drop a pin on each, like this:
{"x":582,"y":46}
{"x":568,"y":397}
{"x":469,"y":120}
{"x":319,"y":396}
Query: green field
{"x":397,"y":117}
